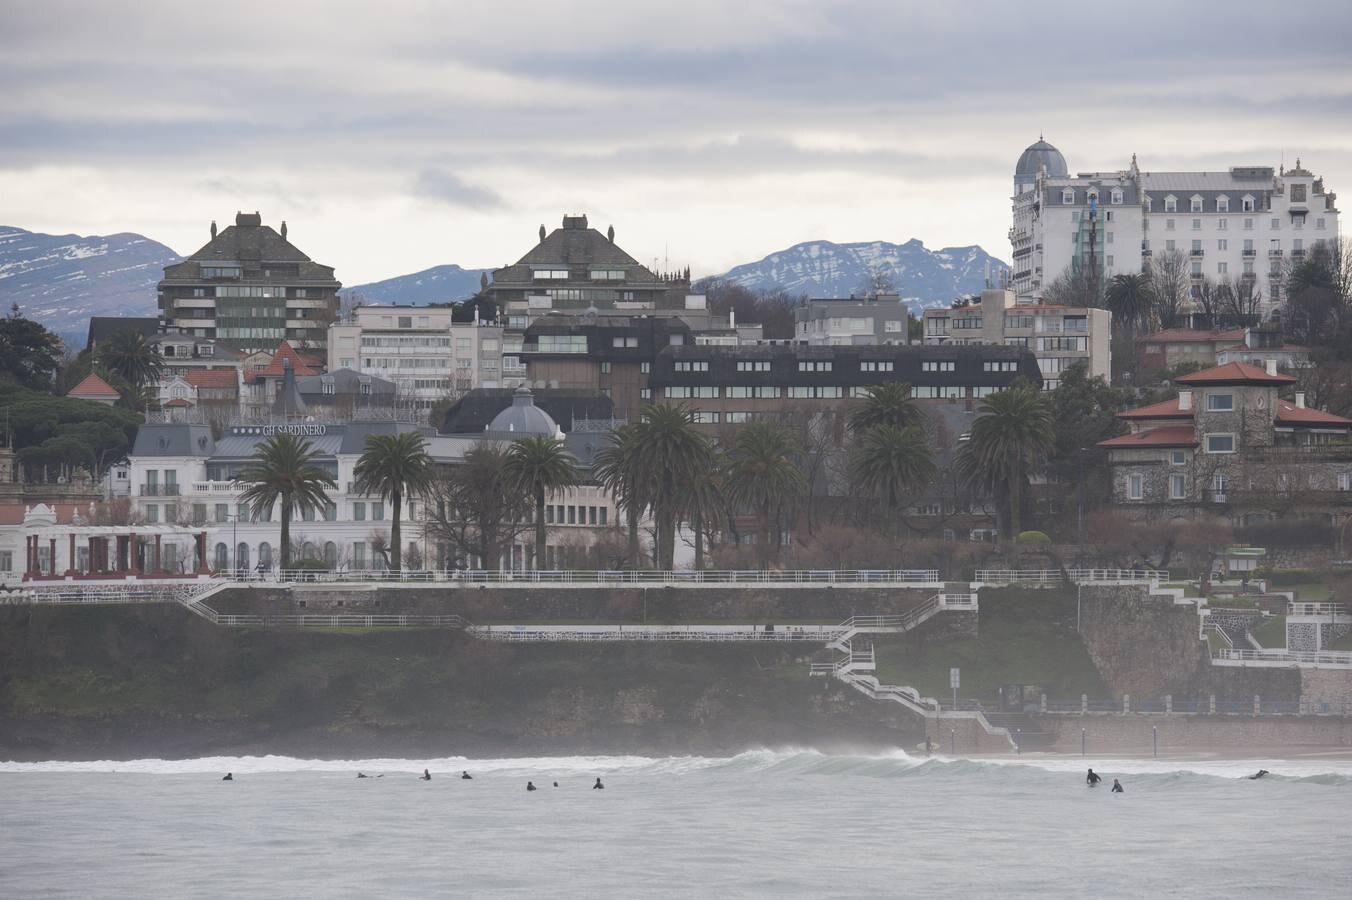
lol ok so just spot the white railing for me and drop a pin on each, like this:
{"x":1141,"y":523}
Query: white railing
{"x":1306,"y":658}
{"x":1220,"y":633}
{"x":679,"y":633}
{"x":957,"y":601}
{"x":1316,"y":609}
{"x":338,"y":621}
{"x":215,"y":487}
{"x":853,"y":577}
{"x":1042,"y":576}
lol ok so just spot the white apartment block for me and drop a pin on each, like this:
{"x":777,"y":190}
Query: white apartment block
{"x":1248,"y":223}
{"x":1059,"y":336}
{"x":428,"y":356}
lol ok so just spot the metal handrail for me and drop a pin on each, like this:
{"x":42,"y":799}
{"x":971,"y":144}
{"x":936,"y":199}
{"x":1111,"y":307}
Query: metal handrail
{"x":614,"y":577}
{"x":1012,"y":576}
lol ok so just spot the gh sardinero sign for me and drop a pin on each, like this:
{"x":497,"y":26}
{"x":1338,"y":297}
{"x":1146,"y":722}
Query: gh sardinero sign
{"x":297,"y":430}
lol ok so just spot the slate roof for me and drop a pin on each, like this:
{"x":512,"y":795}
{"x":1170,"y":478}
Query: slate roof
{"x":93,"y":388}
{"x":250,"y":242}
{"x":473,"y":412}
{"x":575,"y":245}
{"x":101,"y":328}
{"x":345,"y":381}
{"x":180,"y":439}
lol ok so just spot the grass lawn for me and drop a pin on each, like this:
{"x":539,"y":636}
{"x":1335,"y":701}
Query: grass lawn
{"x":1023,"y":648}
{"x":1311,"y":592}
{"x":1342,"y":643}
{"x":1272,"y":633}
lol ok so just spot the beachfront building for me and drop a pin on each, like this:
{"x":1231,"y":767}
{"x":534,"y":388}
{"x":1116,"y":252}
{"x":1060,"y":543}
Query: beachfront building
{"x":1231,"y":443}
{"x":880,"y":319}
{"x":1244,"y":224}
{"x":1059,"y":336}
{"x":249,"y":287}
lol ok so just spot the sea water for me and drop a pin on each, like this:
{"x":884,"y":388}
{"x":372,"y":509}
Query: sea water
{"x":763,"y":823}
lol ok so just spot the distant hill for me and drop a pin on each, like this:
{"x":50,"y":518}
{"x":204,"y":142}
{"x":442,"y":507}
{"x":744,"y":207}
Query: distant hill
{"x":439,"y":284}
{"x":825,"y":269}
{"x":62,"y":280}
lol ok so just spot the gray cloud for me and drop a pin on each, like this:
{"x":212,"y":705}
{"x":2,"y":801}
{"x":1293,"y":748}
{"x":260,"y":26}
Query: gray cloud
{"x":448,"y":188}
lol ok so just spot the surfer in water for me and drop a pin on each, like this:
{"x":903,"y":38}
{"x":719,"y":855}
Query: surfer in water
{"x":1259,"y":774}
{"x":598,"y":786}
{"x":1092,"y":779}
{"x":229,"y":776}
{"x":361,"y":775}
{"x":556,"y":784}
{"x":1117,"y":787}
{"x":530,"y":785}
{"x":425,"y":776}
{"x":465,"y":776}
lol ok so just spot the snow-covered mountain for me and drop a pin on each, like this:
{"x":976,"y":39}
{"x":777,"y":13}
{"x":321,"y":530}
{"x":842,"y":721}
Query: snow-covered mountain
{"x":825,"y":269}
{"x":439,"y":284}
{"x":62,"y":280}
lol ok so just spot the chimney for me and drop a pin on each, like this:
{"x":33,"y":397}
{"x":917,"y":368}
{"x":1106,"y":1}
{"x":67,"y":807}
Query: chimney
{"x":1300,"y":399}
{"x":213,"y":229}
{"x":1184,"y":401}
{"x":1271,"y":366}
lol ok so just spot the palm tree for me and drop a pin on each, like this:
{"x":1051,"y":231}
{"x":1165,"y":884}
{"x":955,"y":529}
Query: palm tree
{"x":885,"y":404}
{"x":284,"y":470}
{"x":129,"y":356}
{"x":706,"y":501}
{"x":616,"y":469}
{"x":537,"y":465}
{"x":762,"y":475}
{"x":1010,"y":440}
{"x":890,"y":461}
{"x":392,"y":466}
{"x":669,"y":455}
{"x":1131,"y":300}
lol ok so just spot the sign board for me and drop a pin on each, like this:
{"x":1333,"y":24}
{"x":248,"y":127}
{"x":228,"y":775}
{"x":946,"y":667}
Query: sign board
{"x":298,"y":430}
{"x":954,"y":677}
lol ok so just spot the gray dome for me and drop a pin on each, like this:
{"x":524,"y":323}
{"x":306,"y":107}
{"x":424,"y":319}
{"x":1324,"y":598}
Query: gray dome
{"x":1037,"y":156}
{"x":523,"y":417}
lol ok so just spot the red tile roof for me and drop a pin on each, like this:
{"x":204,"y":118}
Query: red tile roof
{"x":1290,"y":414}
{"x":274,"y":367}
{"x":93,"y":388}
{"x":1167,"y":436}
{"x":178,"y":403}
{"x":1166,"y":410}
{"x":1191,"y":335}
{"x":212,"y":378}
{"x":1234,"y":373}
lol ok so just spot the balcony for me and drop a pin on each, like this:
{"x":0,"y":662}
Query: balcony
{"x":1196,"y":253}
{"x":1298,"y":253}
{"x":214,"y":487}
{"x":159,"y":490}
{"x":1250,"y":252}
{"x":1274,"y":253}
{"x":1147,"y":252}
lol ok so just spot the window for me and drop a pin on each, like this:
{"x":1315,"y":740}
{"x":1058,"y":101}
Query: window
{"x":1003,"y":365}
{"x":1178,"y":457}
{"x":1134,"y":487}
{"x":1171,"y":203}
{"x":1220,"y":443}
{"x":893,"y":326}
{"x":1019,"y":321}
{"x":1218,"y":485}
{"x":1067,"y":196}
{"x":753,"y":365}
{"x":1195,"y":203}
{"x":815,"y":393}
{"x":1222,"y":244}
{"x":605,"y":368}
{"x":331,"y":512}
{"x":1222,"y":268}
{"x":1222,"y":203}
{"x":1196,"y":224}
{"x":1177,"y":487}
{"x":733,"y":418}
{"x":705,"y":418}
{"x":359,"y":555}
{"x":561,"y":343}
{"x":1276,"y":224}
{"x":1223,"y":224}
{"x":814,"y":365}
{"x":1168,"y":224}
{"x":359,"y":512}
{"x":1248,"y":224}
{"x":1170,"y":245}
{"x":691,"y":366}
{"x":682,"y":392}
{"x":938,"y":365}
{"x":1196,"y":248}
{"x":629,"y":342}
{"x":1318,"y":224}
{"x":377,"y":512}
{"x":1116,"y":197}
{"x":1344,"y":482}
{"x":968,"y":322}
{"x":872,"y":365}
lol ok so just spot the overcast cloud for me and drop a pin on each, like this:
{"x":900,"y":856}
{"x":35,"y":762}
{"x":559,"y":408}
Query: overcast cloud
{"x":398,"y":135}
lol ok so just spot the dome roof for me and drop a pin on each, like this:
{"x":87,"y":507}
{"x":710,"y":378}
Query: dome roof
{"x":1039,"y":155}
{"x":523,"y":417}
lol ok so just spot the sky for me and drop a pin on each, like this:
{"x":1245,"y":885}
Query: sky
{"x":398,"y":135}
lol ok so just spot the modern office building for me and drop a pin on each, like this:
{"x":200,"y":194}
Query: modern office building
{"x":881,"y":319}
{"x":1247,"y":223}
{"x":249,"y":287}
{"x":1059,"y":336}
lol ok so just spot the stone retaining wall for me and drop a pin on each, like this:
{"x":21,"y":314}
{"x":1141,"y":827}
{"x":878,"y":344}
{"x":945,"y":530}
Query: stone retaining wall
{"x":1134,"y":734}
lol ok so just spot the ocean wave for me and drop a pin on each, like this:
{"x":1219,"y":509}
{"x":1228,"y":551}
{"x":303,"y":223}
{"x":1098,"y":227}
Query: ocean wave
{"x":779,"y":762}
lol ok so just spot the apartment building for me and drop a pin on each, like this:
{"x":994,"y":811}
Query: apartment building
{"x":1059,"y":336}
{"x":881,"y":319}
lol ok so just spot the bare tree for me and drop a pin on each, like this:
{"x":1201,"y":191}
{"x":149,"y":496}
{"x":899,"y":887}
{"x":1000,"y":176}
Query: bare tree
{"x":1170,"y":275}
{"x":877,"y":281}
{"x":1242,"y":302}
{"x":472,"y":510}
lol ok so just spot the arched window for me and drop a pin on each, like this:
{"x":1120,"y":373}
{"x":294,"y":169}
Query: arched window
{"x":307,"y":550}
{"x":331,"y":555}
{"x":242,"y":556}
{"x":222,"y":561}
{"x":265,"y":554}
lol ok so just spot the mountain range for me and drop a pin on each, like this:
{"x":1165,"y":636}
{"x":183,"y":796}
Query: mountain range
{"x":62,"y":280}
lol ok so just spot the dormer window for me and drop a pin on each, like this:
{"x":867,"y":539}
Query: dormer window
{"x":1068,"y":196}
{"x":1116,"y":197}
{"x":1196,"y":202}
{"x":1222,"y":203}
{"x":1171,"y":203}
{"x":1149,"y":205}
{"x":1247,"y":201}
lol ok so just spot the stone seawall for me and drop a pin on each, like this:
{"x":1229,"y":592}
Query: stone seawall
{"x":654,"y":605}
{"x":1134,"y":734}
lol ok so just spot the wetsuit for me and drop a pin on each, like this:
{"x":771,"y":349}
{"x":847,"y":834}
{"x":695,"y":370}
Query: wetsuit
{"x":598,"y":786}
{"x":1117,"y":787}
{"x":229,"y":776}
{"x":530,"y":786}
{"x":465,"y":776}
{"x":1092,"y":779}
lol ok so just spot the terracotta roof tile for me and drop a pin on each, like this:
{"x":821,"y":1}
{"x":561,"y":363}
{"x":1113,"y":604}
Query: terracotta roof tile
{"x":1167,"y":436}
{"x":93,"y":388}
{"x":212,"y":378}
{"x":1290,"y":414}
{"x":1234,"y":373}
{"x":1165,"y":410}
{"x":1191,"y":335}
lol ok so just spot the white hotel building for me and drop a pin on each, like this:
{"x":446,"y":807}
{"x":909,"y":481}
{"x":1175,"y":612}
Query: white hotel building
{"x":1247,"y":223}
{"x":427,"y":356}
